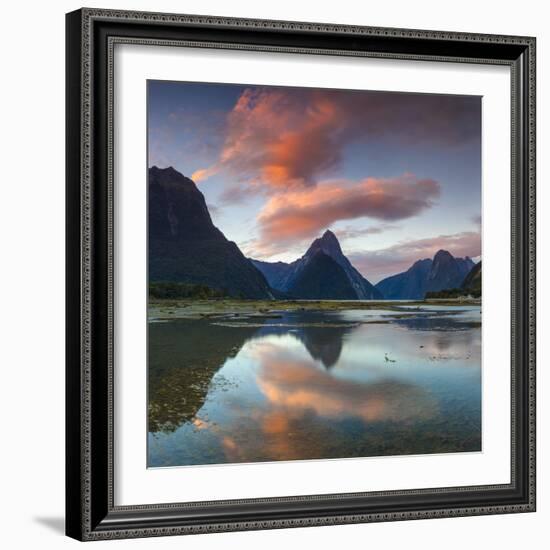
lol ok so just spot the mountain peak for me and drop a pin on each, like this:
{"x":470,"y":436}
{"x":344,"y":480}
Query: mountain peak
{"x":328,"y":243}
{"x":442,"y":254}
{"x":329,"y":235}
{"x":320,"y":266}
{"x":168,"y":170}
{"x":169,"y":177}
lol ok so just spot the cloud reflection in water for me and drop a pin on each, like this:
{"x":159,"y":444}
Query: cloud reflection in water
{"x":330,"y":392}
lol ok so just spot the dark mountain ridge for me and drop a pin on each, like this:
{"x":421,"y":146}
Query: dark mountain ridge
{"x":186,"y":247}
{"x":443,"y":272}
{"x":447,"y":271}
{"x":473,"y":279}
{"x":274,"y":272}
{"x":411,"y":283}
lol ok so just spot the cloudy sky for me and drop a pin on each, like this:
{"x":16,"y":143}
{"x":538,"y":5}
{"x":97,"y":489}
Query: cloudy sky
{"x":396,"y":176}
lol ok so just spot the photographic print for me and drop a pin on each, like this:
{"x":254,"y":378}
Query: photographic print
{"x":275,"y":311}
{"x":314,"y":273}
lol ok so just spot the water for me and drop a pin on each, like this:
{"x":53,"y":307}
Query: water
{"x":312,"y":385}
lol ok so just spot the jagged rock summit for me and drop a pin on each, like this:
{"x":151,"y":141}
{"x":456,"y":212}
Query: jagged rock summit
{"x":323,"y":272}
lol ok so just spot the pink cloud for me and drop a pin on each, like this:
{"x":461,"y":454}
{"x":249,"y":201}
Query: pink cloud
{"x":289,"y":138}
{"x":302,"y":213}
{"x":292,"y":385}
{"x":348,"y":233}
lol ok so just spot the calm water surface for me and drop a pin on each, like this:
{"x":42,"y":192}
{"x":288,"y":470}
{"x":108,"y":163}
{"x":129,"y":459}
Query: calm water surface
{"x":310,"y":385}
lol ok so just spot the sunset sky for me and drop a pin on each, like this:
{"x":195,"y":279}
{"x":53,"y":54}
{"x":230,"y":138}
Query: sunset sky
{"x":397,"y":176}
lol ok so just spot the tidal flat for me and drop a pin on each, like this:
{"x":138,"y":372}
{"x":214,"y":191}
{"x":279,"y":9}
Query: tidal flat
{"x":245,"y":381}
{"x":210,"y":308}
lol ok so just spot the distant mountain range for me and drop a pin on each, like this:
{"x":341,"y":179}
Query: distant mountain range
{"x":323,"y":272}
{"x":185,"y":246}
{"x":443,"y":272}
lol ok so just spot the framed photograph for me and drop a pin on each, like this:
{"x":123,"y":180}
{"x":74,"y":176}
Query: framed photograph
{"x":300,"y":274}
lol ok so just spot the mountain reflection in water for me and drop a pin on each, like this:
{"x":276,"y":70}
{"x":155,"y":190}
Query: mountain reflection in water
{"x":314,"y":385}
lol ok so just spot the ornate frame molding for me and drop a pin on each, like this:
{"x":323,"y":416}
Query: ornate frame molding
{"x":91,"y":38}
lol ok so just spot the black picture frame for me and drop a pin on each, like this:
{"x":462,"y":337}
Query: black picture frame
{"x":90,"y":510}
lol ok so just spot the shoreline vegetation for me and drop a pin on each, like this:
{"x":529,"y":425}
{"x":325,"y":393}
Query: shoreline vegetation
{"x":453,"y":294}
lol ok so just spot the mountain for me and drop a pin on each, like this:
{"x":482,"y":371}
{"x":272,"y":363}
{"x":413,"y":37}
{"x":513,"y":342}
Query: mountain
{"x":447,"y":271}
{"x":410,"y":284}
{"x":465,"y":265}
{"x":185,"y":246}
{"x":443,"y":272}
{"x":325,"y":256}
{"x":321,"y":278}
{"x":329,"y":244}
{"x":274,"y":272}
{"x":473,"y":279}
